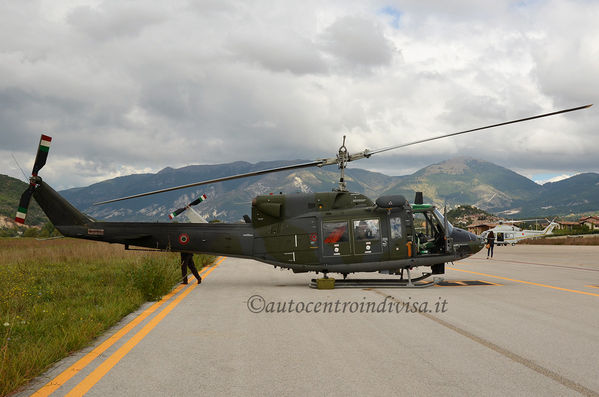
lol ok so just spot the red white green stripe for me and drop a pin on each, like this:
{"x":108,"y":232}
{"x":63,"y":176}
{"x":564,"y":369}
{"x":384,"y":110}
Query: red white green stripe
{"x":21,"y":214}
{"x":45,"y":143}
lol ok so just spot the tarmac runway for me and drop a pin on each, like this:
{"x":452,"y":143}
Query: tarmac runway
{"x":249,"y":329}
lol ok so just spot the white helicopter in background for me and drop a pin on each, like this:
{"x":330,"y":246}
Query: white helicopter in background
{"x":506,"y":233}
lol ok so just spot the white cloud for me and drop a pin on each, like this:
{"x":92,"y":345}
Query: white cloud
{"x":139,"y":86}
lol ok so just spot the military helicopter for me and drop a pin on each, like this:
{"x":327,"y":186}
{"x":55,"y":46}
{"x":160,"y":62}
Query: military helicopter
{"x":330,"y":232}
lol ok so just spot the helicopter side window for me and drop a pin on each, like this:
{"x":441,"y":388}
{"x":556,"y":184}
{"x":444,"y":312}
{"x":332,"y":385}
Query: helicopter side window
{"x":395,"y":227}
{"x":366,"y":229}
{"x":335,"y":232}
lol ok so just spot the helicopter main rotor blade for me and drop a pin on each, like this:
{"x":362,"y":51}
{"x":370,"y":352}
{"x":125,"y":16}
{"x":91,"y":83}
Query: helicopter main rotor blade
{"x":367,"y":153}
{"x":316,"y":163}
{"x":341,"y":159}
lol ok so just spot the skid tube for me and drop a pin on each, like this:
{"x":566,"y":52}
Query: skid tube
{"x":384,"y":282}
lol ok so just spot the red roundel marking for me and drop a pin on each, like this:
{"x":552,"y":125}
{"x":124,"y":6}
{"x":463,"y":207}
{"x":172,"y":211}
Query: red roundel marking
{"x":183,"y":238}
{"x":313,"y":237}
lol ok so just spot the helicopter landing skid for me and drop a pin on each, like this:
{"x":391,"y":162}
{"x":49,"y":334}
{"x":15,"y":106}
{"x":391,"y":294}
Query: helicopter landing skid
{"x":380,"y":283}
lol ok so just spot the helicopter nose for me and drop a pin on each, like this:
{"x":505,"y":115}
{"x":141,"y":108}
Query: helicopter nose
{"x":465,"y":242}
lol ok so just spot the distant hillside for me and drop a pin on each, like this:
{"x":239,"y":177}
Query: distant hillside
{"x":468,"y":181}
{"x":11,"y":190}
{"x":576,"y":195}
{"x":465,"y":215}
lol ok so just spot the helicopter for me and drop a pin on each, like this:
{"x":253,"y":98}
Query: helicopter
{"x":506,"y":233}
{"x":328,"y":232}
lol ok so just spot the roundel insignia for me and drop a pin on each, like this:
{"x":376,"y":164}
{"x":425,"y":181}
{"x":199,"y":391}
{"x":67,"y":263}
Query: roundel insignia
{"x":183,"y":238}
{"x":313,"y":236}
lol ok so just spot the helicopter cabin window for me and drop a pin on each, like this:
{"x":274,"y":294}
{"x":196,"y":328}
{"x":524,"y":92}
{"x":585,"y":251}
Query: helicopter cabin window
{"x":335,"y":232}
{"x":395,"y":227}
{"x":366,"y":229}
{"x":367,"y":236}
{"x":336,"y":238}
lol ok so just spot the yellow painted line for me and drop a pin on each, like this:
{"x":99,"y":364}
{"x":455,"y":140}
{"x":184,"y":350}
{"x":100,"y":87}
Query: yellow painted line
{"x":527,"y":282}
{"x":97,"y":374}
{"x":67,"y":374}
{"x":592,"y":286}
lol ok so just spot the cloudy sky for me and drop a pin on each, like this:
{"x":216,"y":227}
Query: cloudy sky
{"x":136,"y":86}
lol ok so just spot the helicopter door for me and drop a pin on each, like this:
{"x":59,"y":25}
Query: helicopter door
{"x":367,"y":236}
{"x":335,"y":238}
{"x":500,"y":237}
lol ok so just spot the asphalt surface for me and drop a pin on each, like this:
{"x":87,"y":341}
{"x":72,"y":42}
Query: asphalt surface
{"x":536,"y":332}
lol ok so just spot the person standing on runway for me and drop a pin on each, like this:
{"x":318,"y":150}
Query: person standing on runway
{"x":187,"y":262}
{"x":490,"y":243}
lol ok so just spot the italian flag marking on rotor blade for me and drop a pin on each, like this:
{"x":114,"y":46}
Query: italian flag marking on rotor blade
{"x":198,"y":200}
{"x":45,"y":143}
{"x":21,"y":214}
{"x":172,"y":215}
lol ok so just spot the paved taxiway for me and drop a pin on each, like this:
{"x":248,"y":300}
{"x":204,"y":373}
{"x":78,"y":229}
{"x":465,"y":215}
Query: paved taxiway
{"x":535,"y":333}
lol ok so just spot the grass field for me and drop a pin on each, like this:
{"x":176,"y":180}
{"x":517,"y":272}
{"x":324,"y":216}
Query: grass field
{"x":56,"y":296}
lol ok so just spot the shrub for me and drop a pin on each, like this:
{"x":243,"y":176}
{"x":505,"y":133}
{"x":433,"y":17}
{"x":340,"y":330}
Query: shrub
{"x":155,"y":276}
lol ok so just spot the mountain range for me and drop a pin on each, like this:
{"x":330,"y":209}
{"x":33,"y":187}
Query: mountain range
{"x":457,"y":181}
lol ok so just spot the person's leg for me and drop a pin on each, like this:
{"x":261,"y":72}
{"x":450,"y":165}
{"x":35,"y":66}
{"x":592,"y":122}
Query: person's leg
{"x":183,"y":268}
{"x":193,"y":269}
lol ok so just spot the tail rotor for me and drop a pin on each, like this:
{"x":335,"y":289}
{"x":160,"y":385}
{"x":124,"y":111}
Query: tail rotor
{"x":40,"y":161}
{"x":180,"y":210}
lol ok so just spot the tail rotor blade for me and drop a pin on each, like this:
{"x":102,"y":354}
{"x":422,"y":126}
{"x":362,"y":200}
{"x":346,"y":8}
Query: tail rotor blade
{"x":42,"y":154}
{"x":24,"y":205}
{"x":197,"y":201}
{"x":40,"y":161}
{"x":172,"y":215}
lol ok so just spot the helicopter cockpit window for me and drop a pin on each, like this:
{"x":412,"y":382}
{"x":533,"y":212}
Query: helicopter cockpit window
{"x":441,"y":219}
{"x":429,"y":233}
{"x":366,"y":229}
{"x":335,"y":232}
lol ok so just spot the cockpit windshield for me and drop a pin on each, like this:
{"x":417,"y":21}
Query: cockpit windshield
{"x":441,"y":219}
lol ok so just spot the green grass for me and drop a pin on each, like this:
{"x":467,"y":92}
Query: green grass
{"x":57,"y":296}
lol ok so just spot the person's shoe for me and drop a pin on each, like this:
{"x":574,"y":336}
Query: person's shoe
{"x":184,"y":281}
{"x":199,"y":280}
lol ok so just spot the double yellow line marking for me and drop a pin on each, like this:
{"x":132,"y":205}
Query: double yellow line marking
{"x":93,"y":378}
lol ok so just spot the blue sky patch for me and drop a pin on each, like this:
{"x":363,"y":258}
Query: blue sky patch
{"x":394,"y":13}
